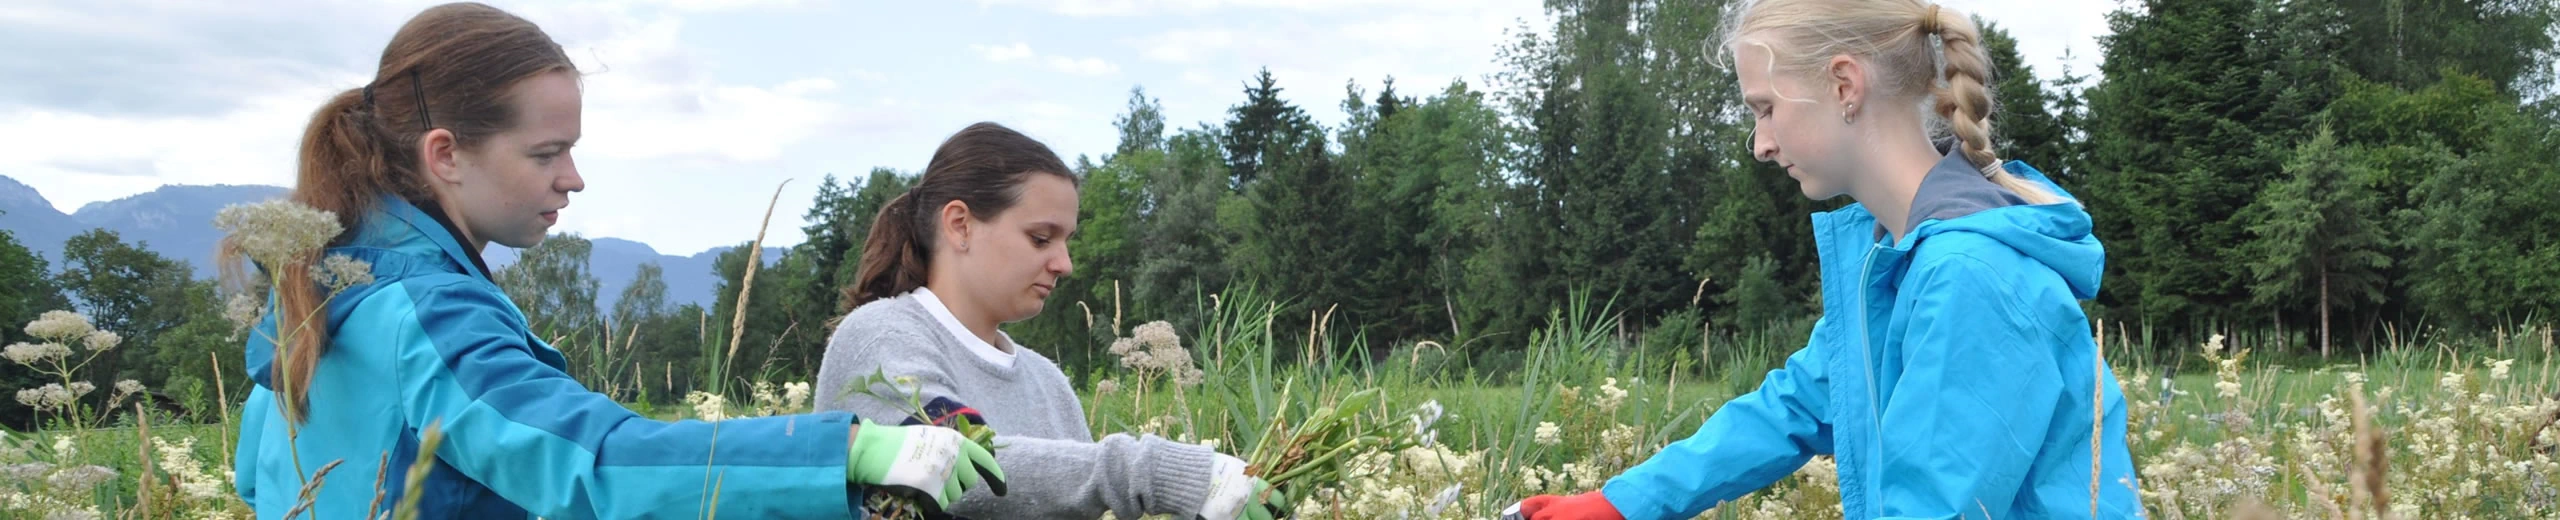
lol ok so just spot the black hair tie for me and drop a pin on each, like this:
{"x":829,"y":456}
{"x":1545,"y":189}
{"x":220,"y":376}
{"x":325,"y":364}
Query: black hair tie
{"x":419,"y":88}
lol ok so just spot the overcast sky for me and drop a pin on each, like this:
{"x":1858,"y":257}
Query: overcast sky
{"x":696,"y":109}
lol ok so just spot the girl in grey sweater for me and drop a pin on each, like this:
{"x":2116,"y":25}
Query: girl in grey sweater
{"x":980,"y":241}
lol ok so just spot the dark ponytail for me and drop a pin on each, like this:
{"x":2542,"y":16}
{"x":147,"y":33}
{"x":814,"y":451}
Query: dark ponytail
{"x":983,"y":167}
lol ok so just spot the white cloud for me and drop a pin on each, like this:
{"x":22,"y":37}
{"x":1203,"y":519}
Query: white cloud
{"x":1091,"y":8}
{"x":648,"y":95}
{"x":1004,"y":53}
{"x":1186,"y":46}
{"x":1022,"y":52}
{"x":2045,"y":28}
{"x":1082,"y":67}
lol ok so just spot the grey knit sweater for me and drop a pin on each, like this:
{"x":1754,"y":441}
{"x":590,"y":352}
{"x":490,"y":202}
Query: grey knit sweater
{"x":1055,"y":469}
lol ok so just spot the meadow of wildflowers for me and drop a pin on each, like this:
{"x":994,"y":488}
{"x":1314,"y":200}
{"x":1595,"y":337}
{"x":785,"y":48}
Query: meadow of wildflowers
{"x":2429,"y":429}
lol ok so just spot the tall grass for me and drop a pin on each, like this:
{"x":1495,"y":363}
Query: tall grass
{"x":2431,"y":426}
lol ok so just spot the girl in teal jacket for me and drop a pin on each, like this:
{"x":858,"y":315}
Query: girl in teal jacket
{"x":1953,"y":374}
{"x":463,"y":139}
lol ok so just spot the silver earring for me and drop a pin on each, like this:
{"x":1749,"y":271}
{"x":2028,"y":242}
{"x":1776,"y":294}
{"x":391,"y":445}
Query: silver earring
{"x":1845,"y":116}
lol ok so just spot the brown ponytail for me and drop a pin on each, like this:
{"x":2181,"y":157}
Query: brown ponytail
{"x":449,"y":68}
{"x":983,"y":166}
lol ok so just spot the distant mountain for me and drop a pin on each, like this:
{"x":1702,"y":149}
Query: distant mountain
{"x":34,"y":222}
{"x":177,"y":221}
{"x":615,"y":262}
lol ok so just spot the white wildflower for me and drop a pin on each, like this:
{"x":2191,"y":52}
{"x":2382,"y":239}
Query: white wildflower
{"x":61,"y":326}
{"x":2498,"y":369}
{"x":179,"y":460}
{"x":1587,"y":476}
{"x":340,"y":272}
{"x":129,"y":387}
{"x":1549,"y":434}
{"x":83,"y":513}
{"x":766,"y":394}
{"x":47,"y":397}
{"x":795,"y":395}
{"x":1107,"y":387}
{"x":101,"y":341}
{"x":1369,"y":465}
{"x":1610,"y":395}
{"x":2451,"y":383}
{"x":277,"y":232}
{"x":244,"y":310}
{"x":26,"y":472}
{"x":1426,"y":416}
{"x":1157,"y":334}
{"x":64,"y":448}
{"x":81,"y":388}
{"x":707,"y":406}
{"x":1618,"y":440}
{"x":31,"y":354}
{"x":1448,"y":496}
{"x":1137,"y":359}
{"x":80,"y":478}
{"x":2227,"y":389}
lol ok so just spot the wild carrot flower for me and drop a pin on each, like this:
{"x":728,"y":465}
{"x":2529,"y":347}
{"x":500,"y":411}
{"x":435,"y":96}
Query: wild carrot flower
{"x":277,"y":232}
{"x":101,"y":341}
{"x":31,"y":354}
{"x":244,"y":309}
{"x":80,"y":478}
{"x":61,"y":326}
{"x":340,"y":272}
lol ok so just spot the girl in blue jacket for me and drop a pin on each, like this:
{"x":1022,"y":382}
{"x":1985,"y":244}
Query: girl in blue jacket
{"x":1952,"y":374}
{"x":461,"y":139}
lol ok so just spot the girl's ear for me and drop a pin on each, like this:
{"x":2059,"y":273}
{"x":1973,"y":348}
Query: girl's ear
{"x":441,"y":156}
{"x":1848,"y":80}
{"x":955,"y":223}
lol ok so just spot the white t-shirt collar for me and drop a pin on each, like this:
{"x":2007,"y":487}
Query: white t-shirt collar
{"x":941,"y":313}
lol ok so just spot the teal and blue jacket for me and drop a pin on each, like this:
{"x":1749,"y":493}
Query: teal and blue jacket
{"x":1952,"y":374}
{"x":431,"y":341}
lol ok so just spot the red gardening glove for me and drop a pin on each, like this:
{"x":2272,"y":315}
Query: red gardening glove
{"x":1586,"y":506}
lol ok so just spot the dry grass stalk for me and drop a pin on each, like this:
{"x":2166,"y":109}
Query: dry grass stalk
{"x":311,"y":491}
{"x":418,"y":470}
{"x":747,"y":283}
{"x":2373,"y":461}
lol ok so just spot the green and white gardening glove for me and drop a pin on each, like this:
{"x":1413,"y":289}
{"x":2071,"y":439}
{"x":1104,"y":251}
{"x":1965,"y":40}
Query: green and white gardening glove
{"x":1234,"y":496}
{"x":930,"y":462}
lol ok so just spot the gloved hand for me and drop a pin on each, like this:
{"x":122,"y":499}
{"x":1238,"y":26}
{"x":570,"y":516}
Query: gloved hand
{"x":1586,"y":506}
{"x":1234,"y":496}
{"x":931,"y":462}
